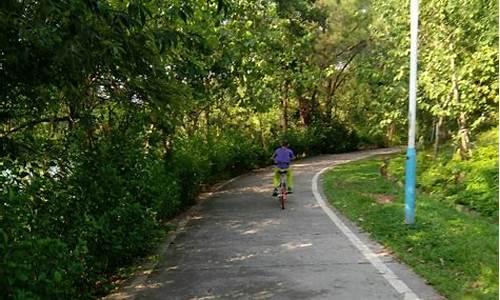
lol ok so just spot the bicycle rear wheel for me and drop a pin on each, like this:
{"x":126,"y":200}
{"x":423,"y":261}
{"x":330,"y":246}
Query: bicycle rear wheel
{"x":282,"y":196}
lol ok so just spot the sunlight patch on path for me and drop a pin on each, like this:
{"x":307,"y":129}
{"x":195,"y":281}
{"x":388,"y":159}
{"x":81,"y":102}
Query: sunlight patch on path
{"x":296,"y":245}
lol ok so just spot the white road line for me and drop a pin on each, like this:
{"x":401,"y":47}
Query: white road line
{"x":392,"y":278}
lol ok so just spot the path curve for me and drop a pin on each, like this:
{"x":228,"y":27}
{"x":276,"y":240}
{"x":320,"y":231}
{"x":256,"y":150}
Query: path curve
{"x":240,"y":245}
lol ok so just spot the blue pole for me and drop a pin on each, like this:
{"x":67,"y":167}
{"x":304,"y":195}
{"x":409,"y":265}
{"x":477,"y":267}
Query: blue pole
{"x":411,"y":170}
{"x":411,"y":155}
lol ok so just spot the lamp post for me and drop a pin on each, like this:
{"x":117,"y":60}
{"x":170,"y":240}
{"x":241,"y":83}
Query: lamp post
{"x":411,"y":153}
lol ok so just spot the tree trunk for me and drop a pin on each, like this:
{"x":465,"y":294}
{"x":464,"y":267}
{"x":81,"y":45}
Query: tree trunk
{"x":329,"y":99}
{"x":463,"y":131}
{"x":304,"y":111}
{"x":284,"y":107}
{"x":437,"y":136}
{"x":207,"y":123}
{"x":147,"y":136}
{"x":313,"y":105}
{"x":261,"y":132}
{"x":464,"y":137}
{"x":391,"y":130}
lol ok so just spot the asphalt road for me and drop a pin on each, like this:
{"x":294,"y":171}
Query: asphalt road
{"x":239,"y":244}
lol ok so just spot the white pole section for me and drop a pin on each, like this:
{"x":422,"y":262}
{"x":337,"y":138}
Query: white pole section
{"x":413,"y":74}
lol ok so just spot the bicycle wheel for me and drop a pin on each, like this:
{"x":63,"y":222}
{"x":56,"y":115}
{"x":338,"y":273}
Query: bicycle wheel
{"x":282,"y":196}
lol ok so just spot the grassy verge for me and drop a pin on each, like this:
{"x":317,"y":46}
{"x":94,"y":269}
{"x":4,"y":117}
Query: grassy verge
{"x":457,"y":252}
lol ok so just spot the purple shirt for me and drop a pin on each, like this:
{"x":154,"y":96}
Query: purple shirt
{"x":282,"y":157}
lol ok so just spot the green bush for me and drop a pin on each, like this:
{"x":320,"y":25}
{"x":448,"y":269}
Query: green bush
{"x":332,"y":137}
{"x":40,"y":268}
{"x":68,"y":232}
{"x":472,"y":183}
{"x":36,"y":262}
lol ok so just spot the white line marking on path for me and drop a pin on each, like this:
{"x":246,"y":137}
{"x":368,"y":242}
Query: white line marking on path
{"x":384,"y":270}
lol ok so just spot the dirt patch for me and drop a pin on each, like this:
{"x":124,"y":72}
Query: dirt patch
{"x":382,"y":198}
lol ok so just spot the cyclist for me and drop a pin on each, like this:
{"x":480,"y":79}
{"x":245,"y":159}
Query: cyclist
{"x":282,"y":158}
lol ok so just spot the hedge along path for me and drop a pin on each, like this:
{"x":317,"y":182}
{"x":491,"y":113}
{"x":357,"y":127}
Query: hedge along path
{"x":240,"y":244}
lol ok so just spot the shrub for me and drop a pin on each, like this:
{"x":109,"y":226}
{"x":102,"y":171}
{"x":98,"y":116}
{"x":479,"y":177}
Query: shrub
{"x":472,"y":183}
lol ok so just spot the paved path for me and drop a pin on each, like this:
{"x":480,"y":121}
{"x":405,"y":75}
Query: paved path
{"x":241,"y":245}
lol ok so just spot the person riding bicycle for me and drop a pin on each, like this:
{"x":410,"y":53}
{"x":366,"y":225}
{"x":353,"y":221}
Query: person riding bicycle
{"x":282,"y":158}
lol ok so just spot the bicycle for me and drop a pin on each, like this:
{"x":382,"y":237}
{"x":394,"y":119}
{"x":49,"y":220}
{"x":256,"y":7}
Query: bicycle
{"x":282,"y":189}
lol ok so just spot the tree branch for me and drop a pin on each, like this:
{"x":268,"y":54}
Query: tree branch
{"x":36,"y":122}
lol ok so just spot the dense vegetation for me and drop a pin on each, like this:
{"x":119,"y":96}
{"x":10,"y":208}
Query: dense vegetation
{"x":470,"y":185}
{"x":456,"y":251}
{"x":115,"y":113}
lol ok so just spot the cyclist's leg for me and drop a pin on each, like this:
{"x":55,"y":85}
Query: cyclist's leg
{"x":276,"y":178}
{"x":276,"y":181}
{"x":289,"y":179}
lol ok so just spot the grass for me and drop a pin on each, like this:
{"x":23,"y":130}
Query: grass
{"x":455,"y":251}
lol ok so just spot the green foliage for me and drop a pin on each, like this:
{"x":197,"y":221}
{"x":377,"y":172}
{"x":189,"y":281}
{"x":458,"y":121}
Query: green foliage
{"x":457,"y":70}
{"x":116,"y":114}
{"x":454,"y":251}
{"x":35,"y":262}
{"x":63,"y":233}
{"x":472,"y":183}
{"x":332,"y":137}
